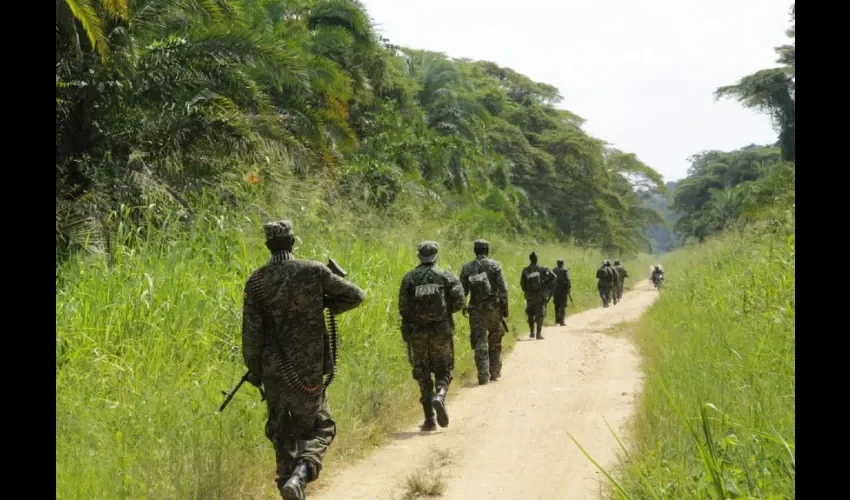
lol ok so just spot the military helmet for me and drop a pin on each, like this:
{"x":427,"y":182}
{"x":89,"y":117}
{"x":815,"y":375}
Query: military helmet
{"x":617,"y":262}
{"x":427,"y":251}
{"x":560,"y":263}
{"x":481,"y":245}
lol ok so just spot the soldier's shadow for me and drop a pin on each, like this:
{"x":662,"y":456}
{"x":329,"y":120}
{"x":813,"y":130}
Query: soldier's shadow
{"x":403,"y":436}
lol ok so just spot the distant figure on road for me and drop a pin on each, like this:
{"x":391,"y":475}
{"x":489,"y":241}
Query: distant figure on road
{"x":605,"y":280}
{"x":562,"y":291}
{"x":657,"y":276}
{"x":537,"y":283}
{"x":427,"y":298}
{"x":622,"y":274}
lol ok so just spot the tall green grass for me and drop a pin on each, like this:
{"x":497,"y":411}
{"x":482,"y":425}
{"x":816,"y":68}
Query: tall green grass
{"x":716,"y":419}
{"x":148,"y":335}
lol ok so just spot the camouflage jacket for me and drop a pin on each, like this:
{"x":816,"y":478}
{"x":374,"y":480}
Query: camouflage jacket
{"x":547,"y":278}
{"x":606,"y":275}
{"x":621,"y":273}
{"x":296,"y":293}
{"x":499,"y":297}
{"x":562,"y":282}
{"x":423,"y":275}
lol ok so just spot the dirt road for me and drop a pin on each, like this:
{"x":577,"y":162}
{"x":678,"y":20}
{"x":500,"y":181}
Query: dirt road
{"x":508,"y":439}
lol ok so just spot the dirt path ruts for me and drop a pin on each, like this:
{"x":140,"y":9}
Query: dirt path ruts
{"x":509,"y":438}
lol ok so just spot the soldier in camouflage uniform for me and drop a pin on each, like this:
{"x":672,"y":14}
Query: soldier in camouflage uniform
{"x":427,"y":298}
{"x":605,"y":277}
{"x":562,"y":291}
{"x":484,"y":281}
{"x":537,"y":283}
{"x":615,"y":285}
{"x":283,"y":343}
{"x":622,"y":274}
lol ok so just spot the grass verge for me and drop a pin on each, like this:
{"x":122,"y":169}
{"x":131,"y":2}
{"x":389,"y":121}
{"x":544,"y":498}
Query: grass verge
{"x":717,"y":416}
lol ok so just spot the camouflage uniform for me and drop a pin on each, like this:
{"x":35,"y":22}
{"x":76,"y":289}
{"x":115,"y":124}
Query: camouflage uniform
{"x":283,"y":342}
{"x":562,"y":291}
{"x":535,"y":299}
{"x":622,"y":274}
{"x":430,"y":335}
{"x":486,"y":311}
{"x":605,"y":276}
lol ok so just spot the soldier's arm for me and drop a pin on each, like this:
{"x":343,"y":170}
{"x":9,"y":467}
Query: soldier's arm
{"x":341,"y":295}
{"x":502,"y":289}
{"x":403,"y":304}
{"x":522,"y":282}
{"x":464,"y":280}
{"x":252,"y":333}
{"x":553,"y":281}
{"x":455,"y":291}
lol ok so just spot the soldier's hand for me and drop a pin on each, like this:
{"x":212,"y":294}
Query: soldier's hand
{"x":465,"y":311}
{"x":254,"y":380}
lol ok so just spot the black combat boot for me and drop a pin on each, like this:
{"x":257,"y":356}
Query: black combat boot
{"x":429,"y":424}
{"x":539,"y":332}
{"x":483,"y":379}
{"x":531,"y":329}
{"x":293,"y":489}
{"x":439,"y":403}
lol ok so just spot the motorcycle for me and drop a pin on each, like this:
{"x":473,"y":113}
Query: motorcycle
{"x":658,"y":281}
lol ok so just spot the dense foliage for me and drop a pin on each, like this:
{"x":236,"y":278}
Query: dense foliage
{"x":158,"y":99}
{"x":726,"y":188}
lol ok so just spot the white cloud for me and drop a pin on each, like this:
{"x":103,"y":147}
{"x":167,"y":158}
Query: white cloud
{"x":641,"y":72}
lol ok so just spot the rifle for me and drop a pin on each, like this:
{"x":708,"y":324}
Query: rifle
{"x":505,"y":325}
{"x":570,"y":295}
{"x":331,"y":339}
{"x":229,"y":395}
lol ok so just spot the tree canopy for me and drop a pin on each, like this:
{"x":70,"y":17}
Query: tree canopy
{"x":160,"y":98}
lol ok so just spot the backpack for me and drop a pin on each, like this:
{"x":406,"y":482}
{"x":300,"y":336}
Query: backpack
{"x":564,"y":279}
{"x":430,"y":303}
{"x":480,"y":287}
{"x":533,"y":282}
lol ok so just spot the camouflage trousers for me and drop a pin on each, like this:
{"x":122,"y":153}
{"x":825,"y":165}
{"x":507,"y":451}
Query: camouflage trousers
{"x":535,"y":311}
{"x":605,"y":290}
{"x":431,"y":351}
{"x":618,"y":291}
{"x":560,"y":301}
{"x":486,"y":332}
{"x":300,"y":428}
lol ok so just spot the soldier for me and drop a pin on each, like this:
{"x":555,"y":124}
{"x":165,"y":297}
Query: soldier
{"x":484,"y":282}
{"x":283,"y":344}
{"x":537,"y":284}
{"x":562,"y":291}
{"x":622,"y":274}
{"x":657,"y":276}
{"x":605,"y":281}
{"x":427,"y":298}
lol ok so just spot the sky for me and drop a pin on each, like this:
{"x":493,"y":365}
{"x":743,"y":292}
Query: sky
{"x":640,"y":72}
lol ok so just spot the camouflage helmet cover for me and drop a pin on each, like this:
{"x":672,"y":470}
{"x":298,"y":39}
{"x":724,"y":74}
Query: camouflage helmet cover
{"x":278,"y":229}
{"x":427,"y":251}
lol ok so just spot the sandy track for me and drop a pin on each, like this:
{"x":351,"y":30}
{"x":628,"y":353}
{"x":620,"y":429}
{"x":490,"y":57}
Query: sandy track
{"x":509,"y":439}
